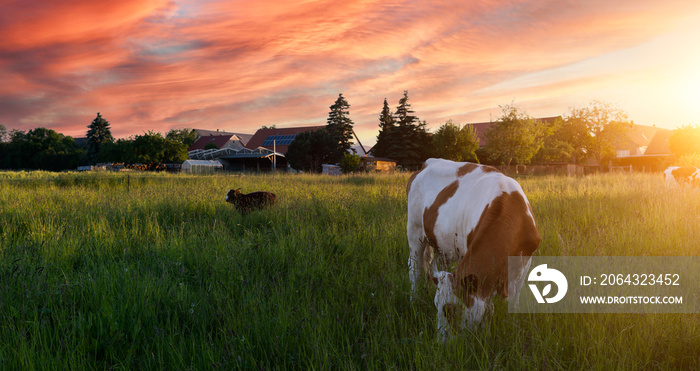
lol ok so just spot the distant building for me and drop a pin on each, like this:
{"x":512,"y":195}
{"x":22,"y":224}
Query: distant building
{"x":378,"y":164}
{"x":278,"y":139}
{"x":244,"y":138}
{"x":201,"y":166}
{"x":220,"y":141}
{"x":645,"y":149}
{"x":637,"y":141}
{"x":262,"y":151}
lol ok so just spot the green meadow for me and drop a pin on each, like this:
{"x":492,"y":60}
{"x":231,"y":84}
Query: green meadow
{"x":156,"y":271}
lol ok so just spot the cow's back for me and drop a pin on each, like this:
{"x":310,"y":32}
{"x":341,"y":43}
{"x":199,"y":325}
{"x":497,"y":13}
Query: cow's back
{"x":447,"y":199}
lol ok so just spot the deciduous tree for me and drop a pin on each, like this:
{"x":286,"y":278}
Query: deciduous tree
{"x":185,"y":136}
{"x":455,"y":143}
{"x":311,"y":149}
{"x":350,"y":163}
{"x":557,"y":146}
{"x":150,"y":148}
{"x":515,"y":138}
{"x":41,"y":148}
{"x":605,"y":127}
{"x":685,"y":140}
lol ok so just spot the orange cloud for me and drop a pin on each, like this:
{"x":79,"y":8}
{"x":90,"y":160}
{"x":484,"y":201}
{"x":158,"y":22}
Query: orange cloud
{"x":30,"y":24}
{"x":238,"y":65}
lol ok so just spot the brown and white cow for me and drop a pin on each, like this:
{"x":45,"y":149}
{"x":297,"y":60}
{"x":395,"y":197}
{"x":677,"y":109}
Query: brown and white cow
{"x":682,"y":175}
{"x":474,"y":215}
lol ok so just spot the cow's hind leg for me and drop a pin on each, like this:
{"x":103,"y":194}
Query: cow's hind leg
{"x":518,"y":274}
{"x":417,"y":262}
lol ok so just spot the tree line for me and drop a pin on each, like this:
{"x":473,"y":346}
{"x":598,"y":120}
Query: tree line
{"x":515,"y":138}
{"x":591,"y":132}
{"x":46,"y":149}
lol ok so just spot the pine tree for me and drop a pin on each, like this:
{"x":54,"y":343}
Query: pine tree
{"x":410,"y":142}
{"x":98,"y":134}
{"x":386,"y":125}
{"x":340,"y":127}
{"x":404,"y":114}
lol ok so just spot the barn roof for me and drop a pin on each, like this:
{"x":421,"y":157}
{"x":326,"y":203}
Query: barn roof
{"x":265,"y":137}
{"x":231,"y":153}
{"x":218,"y":140}
{"x":641,"y":135}
{"x":244,"y":138}
{"x":659,"y":144}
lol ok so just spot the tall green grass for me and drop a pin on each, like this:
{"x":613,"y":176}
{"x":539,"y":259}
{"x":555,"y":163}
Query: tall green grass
{"x":157,"y":271}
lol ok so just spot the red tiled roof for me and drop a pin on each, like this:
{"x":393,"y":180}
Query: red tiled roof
{"x":262,"y":134}
{"x":219,"y":140}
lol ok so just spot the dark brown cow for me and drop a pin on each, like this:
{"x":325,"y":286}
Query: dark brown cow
{"x":682,"y":175}
{"x":251,"y":201}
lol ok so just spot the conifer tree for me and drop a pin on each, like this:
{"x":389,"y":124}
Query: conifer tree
{"x":386,"y":125}
{"x":410,"y":142}
{"x":340,"y":127}
{"x":97,"y":135}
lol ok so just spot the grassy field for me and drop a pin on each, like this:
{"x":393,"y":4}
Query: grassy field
{"x":157,"y":271}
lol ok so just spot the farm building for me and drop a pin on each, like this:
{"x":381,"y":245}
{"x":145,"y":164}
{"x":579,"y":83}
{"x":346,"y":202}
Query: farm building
{"x":378,"y":164}
{"x":244,"y":159}
{"x":222,"y":141}
{"x":277,"y":139}
{"x":201,"y":166}
{"x":243,"y":138}
{"x":646,"y":149}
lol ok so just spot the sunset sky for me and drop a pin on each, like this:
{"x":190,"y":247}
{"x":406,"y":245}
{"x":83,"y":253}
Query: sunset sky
{"x":238,"y":65}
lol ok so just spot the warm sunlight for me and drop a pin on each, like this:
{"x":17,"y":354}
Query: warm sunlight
{"x":685,"y":89}
{"x":688,"y":93}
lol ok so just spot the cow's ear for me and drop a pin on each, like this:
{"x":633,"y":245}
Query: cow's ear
{"x":434,"y":280}
{"x":470,"y":283}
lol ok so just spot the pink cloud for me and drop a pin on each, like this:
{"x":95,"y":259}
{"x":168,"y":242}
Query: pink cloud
{"x":154,"y":65}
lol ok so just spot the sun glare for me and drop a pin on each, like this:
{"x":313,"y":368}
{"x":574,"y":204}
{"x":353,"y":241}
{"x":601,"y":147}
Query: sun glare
{"x":687,"y":92}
